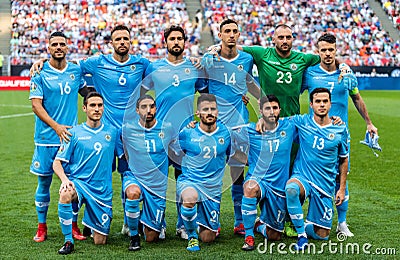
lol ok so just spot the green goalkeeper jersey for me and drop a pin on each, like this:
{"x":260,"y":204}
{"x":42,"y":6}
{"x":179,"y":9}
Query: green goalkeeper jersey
{"x":282,"y":76}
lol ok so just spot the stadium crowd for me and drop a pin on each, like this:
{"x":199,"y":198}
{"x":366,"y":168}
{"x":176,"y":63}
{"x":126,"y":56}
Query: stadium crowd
{"x":361,"y":40}
{"x":392,"y":8}
{"x":88,"y":24}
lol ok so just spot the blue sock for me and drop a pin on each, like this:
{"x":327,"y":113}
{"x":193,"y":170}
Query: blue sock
{"x":292,"y":191}
{"x":42,"y":197}
{"x":237,"y":195}
{"x":132,"y":212}
{"x":189,"y":217}
{"x":249,"y":212}
{"x":311,"y":232}
{"x":65,"y":217}
{"x":342,"y":209}
{"x":75,"y":211}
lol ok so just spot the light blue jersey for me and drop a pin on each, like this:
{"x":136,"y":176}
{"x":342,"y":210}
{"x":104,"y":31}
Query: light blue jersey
{"x":205,"y":158}
{"x":147,"y":152}
{"x":228,"y":82}
{"x":269,"y":154}
{"x":116,"y":82}
{"x":90,"y":154}
{"x":58,"y":90}
{"x":317,"y":77}
{"x":175,"y":86}
{"x":320,"y":148}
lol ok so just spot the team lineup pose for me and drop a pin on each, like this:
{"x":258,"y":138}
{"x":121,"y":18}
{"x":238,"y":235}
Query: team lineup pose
{"x":322,"y":145}
{"x":146,"y":144}
{"x":229,"y":80}
{"x":54,"y":96}
{"x":199,"y":187}
{"x":175,"y":80}
{"x":89,"y":154}
{"x":269,"y":160}
{"x":158,"y":138}
{"x":325,"y":75}
{"x":116,"y":77}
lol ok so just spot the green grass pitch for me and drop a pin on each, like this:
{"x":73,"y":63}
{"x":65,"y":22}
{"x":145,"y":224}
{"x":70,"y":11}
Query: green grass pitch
{"x":374,"y":198}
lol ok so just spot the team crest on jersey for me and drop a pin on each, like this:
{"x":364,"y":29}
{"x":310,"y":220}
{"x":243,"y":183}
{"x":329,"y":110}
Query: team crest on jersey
{"x":161,"y":134}
{"x":36,"y":164}
{"x":331,"y":136}
{"x":33,"y":86}
{"x":240,"y":67}
{"x":283,"y":133}
{"x":187,"y":71}
{"x":293,"y":66}
{"x":221,"y":140}
{"x":72,"y":76}
{"x":133,"y":67}
{"x":108,"y":137}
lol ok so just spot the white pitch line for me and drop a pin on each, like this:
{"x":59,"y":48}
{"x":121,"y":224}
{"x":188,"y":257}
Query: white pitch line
{"x":10,"y":105}
{"x":16,"y":115}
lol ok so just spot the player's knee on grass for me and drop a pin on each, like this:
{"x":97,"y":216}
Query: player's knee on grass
{"x":151,"y":235}
{"x":321,"y":232}
{"x":294,"y":190}
{"x":207,"y":235}
{"x":237,"y":175}
{"x":251,"y":189}
{"x":273,"y":234}
{"x":133,"y":192}
{"x":99,"y":239}
{"x":189,"y":197}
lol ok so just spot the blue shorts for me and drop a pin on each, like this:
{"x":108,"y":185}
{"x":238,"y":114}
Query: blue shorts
{"x":98,"y":215}
{"x":272,"y":206}
{"x":153,"y":207}
{"x":42,"y":160}
{"x":320,"y":206}
{"x":208,"y":208}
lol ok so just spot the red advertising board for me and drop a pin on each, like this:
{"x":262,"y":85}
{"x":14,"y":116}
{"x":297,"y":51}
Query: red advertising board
{"x":14,"y":83}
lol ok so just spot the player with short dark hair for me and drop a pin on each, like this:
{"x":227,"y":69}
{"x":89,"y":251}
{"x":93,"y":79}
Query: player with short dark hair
{"x":146,"y":144}
{"x":230,"y":80}
{"x":117,"y":77}
{"x":325,"y":75}
{"x":322,"y":145}
{"x":175,"y":80}
{"x":269,"y":160}
{"x":54,"y":95}
{"x":89,"y":155}
{"x":199,"y":187}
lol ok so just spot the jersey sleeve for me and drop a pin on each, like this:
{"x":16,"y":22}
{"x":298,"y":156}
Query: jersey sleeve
{"x":36,"y":89}
{"x":89,"y":65}
{"x":65,"y":151}
{"x":257,"y":52}
{"x":311,"y":59}
{"x":119,"y":146}
{"x":202,"y":81}
{"x":147,"y":79}
{"x":304,"y":84}
{"x":344,"y":143}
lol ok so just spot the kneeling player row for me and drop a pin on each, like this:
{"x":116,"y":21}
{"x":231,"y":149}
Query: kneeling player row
{"x":205,"y":149}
